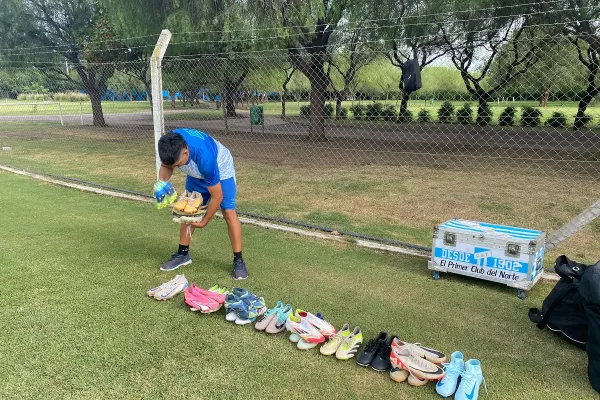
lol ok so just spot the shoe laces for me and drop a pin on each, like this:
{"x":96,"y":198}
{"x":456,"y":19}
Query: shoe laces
{"x":283,"y":315}
{"x":453,"y":369}
{"x":470,"y":379}
{"x":371,"y":345}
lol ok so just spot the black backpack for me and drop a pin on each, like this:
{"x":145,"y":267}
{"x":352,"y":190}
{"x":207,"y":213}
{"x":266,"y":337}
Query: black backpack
{"x":590,"y":290}
{"x":563,"y":311}
{"x":572,"y":310}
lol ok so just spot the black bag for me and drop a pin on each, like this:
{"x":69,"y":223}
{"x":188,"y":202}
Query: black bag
{"x":590,"y":290}
{"x":563,"y":311}
{"x":411,"y":76}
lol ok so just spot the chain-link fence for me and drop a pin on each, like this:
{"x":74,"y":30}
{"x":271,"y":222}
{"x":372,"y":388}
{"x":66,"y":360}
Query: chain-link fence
{"x":351,"y":136}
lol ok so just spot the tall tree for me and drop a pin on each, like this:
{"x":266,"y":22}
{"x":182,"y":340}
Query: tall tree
{"x":476,"y":37}
{"x":411,"y":32}
{"x":307,"y":26}
{"x":581,"y":20}
{"x":78,"y":31}
{"x":346,"y":62}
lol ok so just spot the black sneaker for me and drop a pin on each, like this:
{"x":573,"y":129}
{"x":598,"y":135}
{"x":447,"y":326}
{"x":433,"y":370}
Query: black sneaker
{"x":381,"y":362}
{"x":176,"y":261}
{"x":368,"y":353}
{"x":239,"y":269}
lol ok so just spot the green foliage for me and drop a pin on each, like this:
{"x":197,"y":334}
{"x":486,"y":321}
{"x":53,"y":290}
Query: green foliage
{"x":507,"y":117}
{"x":34,"y":97}
{"x":358,"y":111}
{"x":344,"y":113}
{"x":531,"y":117}
{"x":446,"y":112}
{"x":329,"y":110}
{"x":484,"y":114}
{"x":73,"y":97}
{"x":424,"y":115}
{"x":557,"y":120}
{"x":305,"y":111}
{"x":405,"y":116}
{"x":373,"y":111}
{"x":464,"y":115}
{"x":389,"y":114}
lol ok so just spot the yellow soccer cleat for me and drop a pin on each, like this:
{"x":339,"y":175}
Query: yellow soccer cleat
{"x":182,"y":202}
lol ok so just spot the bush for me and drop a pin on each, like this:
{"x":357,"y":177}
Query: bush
{"x":305,"y":111}
{"x":71,"y":97}
{"x":406,"y":116}
{"x":586,"y":119}
{"x":344,"y":113}
{"x":34,"y":97}
{"x":507,"y":118}
{"x":464,"y":115}
{"x":446,"y":113}
{"x":484,"y":114}
{"x":557,"y":120}
{"x":531,"y":117}
{"x":373,"y":111}
{"x":358,"y":110}
{"x":329,"y":110}
{"x":389,"y":114}
{"x":424,"y":116}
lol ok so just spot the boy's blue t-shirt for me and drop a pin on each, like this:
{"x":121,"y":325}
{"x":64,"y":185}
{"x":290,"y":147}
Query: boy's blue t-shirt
{"x":209,"y":160}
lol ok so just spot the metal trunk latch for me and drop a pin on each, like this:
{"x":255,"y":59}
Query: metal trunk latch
{"x":513,"y":250}
{"x":450,"y":239}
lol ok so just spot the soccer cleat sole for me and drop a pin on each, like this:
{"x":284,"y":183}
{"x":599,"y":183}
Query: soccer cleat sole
{"x":414,"y":381}
{"x":180,"y":265}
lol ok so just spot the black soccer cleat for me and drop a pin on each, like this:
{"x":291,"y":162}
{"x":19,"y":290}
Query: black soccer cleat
{"x":369,"y":352}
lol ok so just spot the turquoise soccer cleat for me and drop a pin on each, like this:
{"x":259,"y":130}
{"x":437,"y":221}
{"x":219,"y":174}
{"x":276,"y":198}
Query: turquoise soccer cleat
{"x":471,"y":379}
{"x":454,"y":369}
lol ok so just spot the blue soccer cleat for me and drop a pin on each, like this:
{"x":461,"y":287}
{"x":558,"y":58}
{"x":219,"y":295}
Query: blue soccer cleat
{"x":470,"y":381}
{"x":454,"y":369}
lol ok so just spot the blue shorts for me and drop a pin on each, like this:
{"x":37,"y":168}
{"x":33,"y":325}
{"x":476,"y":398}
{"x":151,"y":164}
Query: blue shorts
{"x":228,"y":186}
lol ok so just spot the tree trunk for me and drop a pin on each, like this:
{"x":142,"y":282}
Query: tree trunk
{"x":316,"y":131}
{"x":149,"y":94}
{"x":483,"y":109}
{"x":338,"y":105}
{"x":404,"y":101}
{"x":591,"y":92}
{"x":283,"y":102}
{"x":229,"y":98}
{"x":97,"y":109}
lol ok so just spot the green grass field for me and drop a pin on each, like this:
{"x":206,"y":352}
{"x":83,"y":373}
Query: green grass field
{"x":393,"y":202}
{"x":32,"y":108}
{"x":77,"y":323}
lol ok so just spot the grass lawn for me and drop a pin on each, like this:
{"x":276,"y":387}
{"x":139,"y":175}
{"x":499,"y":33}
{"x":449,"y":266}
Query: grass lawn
{"x":32,"y":108}
{"x":394,"y":202}
{"x":77,"y":322}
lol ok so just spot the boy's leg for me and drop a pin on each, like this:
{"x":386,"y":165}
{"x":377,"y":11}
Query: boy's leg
{"x":234,"y":227}
{"x":182,"y":257}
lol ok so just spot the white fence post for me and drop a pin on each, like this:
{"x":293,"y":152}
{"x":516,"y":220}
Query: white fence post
{"x":157,"y":100}
{"x":573,"y":226}
{"x":60,"y":112}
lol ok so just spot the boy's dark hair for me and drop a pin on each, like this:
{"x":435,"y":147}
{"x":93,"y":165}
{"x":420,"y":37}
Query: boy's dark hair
{"x":170,"y":147}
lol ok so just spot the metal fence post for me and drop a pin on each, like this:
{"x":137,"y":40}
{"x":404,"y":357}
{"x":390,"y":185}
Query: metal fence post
{"x":157,"y":100}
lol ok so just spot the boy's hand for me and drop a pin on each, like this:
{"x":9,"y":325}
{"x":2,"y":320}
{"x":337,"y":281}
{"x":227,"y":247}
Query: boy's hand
{"x":198,"y":224}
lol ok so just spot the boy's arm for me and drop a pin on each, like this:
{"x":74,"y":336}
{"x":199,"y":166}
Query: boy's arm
{"x":216,"y":197}
{"x":165,"y":173}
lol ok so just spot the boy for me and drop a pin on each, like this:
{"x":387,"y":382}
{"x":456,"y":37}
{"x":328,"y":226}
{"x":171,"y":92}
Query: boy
{"x":210,"y":172}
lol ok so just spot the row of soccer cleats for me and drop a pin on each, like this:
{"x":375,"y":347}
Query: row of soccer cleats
{"x":409,"y":362}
